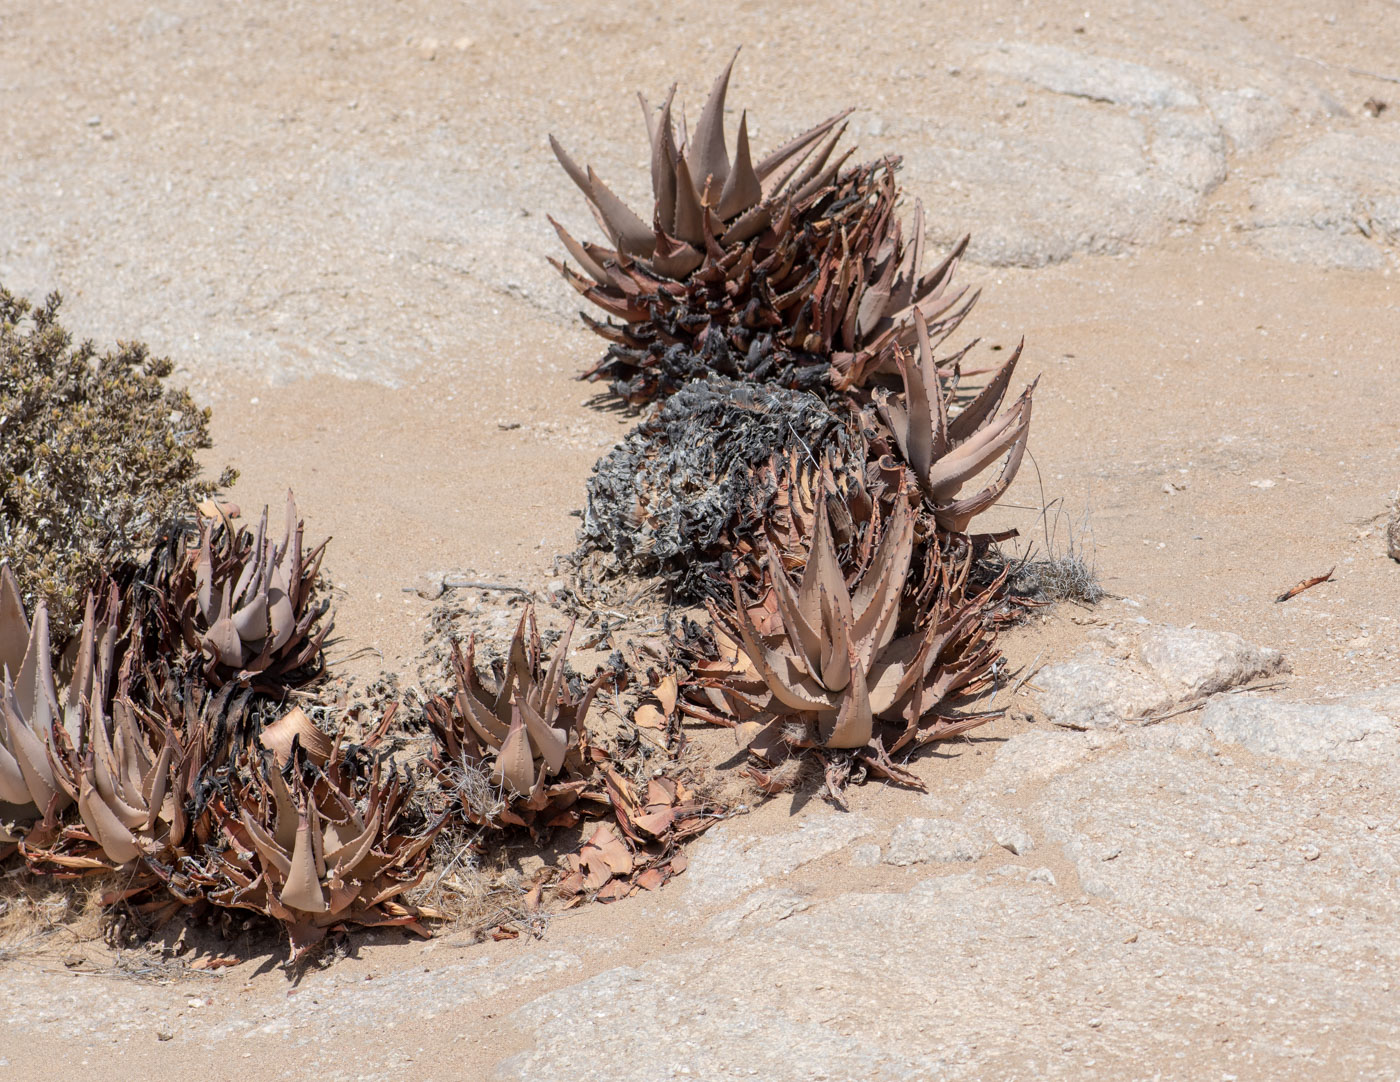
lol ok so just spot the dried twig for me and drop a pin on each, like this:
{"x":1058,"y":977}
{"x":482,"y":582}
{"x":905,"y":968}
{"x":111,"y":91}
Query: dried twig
{"x":450,"y":582}
{"x":1306,"y":584}
{"x":1200,"y":701}
{"x":1362,"y":72}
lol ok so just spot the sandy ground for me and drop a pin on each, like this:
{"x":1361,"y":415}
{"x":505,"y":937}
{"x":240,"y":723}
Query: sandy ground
{"x":332,"y":217}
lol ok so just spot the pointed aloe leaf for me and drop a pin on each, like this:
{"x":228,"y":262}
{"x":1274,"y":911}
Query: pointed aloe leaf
{"x":515,"y":764}
{"x":551,"y":743}
{"x":836,"y":647}
{"x":750,"y":224}
{"x":30,"y":752}
{"x":13,"y":789}
{"x":268,"y":850}
{"x":548,"y":704}
{"x":14,"y":628}
{"x":742,"y":189}
{"x":674,"y":258}
{"x":799,"y":145}
{"x":987,"y":401}
{"x":876,"y":604}
{"x":824,"y":179}
{"x":204,"y":572}
{"x":875,"y":301}
{"x":80,"y":685}
{"x":831,"y":578}
{"x":689,"y":223}
{"x":956,"y":516}
{"x":898,"y":666}
{"x":928,"y":370}
{"x":805,"y":637}
{"x":628,"y":232}
{"x":854,"y":723}
{"x":664,"y":156}
{"x":576,"y":174}
{"x":251,"y":620}
{"x":281,"y":617}
{"x":792,"y":689}
{"x":116,"y":839}
{"x":302,"y":889}
{"x":517,"y":672}
{"x":916,"y":440}
{"x":815,"y":166}
{"x":105,"y":775}
{"x":34,"y":682}
{"x":968,"y":459}
{"x":342,"y":860}
{"x":155,"y":786}
{"x":707,"y":155}
{"x":903,"y":295}
{"x":580,"y":254}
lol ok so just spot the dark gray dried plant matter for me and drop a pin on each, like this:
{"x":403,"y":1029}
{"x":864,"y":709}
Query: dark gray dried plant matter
{"x":670,"y":500}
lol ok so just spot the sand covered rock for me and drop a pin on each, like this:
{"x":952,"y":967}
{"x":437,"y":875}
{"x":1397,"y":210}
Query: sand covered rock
{"x":726,"y":863}
{"x":917,"y":841}
{"x":1146,"y":670}
{"x":1093,"y":693}
{"x":1333,"y":202}
{"x":1191,"y":662}
{"x":1301,"y":731}
{"x":1086,"y":75}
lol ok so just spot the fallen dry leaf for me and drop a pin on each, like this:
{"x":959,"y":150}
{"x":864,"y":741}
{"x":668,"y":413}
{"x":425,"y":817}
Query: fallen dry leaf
{"x":666,"y":693}
{"x":615,"y":891}
{"x":221,"y":962}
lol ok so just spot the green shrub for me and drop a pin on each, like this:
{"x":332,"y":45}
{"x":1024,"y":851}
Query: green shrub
{"x":97,"y":454}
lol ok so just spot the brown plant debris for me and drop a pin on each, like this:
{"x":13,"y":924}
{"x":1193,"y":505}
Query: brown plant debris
{"x":700,"y":481}
{"x":97,"y":457}
{"x":639,"y":849}
{"x":788,"y":269}
{"x":562,"y":774}
{"x":722,"y":466}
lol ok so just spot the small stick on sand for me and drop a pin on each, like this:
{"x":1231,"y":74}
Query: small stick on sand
{"x":1306,"y":584}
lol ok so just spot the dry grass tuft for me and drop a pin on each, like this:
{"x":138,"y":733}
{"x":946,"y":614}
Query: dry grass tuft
{"x":38,"y":914}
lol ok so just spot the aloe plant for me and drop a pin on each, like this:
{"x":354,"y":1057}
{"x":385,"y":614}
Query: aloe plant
{"x":787,"y":268}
